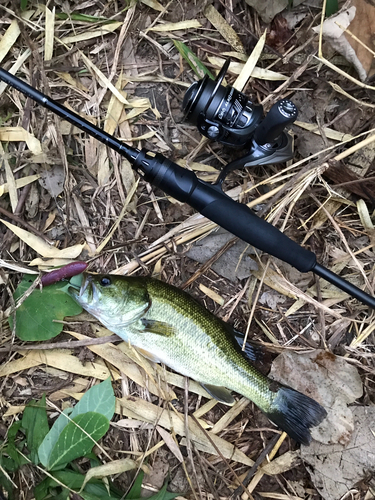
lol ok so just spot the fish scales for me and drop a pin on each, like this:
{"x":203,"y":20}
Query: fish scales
{"x":201,"y":347}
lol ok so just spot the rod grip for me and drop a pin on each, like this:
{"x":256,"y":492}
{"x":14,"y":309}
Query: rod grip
{"x":214,"y":204}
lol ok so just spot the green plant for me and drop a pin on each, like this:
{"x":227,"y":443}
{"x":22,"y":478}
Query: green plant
{"x":196,"y":65}
{"x":35,"y":318}
{"x":332,"y":6}
{"x":73,"y":435}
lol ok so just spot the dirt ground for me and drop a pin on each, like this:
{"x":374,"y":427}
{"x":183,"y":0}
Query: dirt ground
{"x":86,"y":194}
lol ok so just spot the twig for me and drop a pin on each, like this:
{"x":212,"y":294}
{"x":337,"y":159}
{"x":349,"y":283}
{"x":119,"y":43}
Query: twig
{"x":239,"y":490}
{"x":62,"y":345}
{"x":28,"y":226}
{"x":221,"y":455}
{"x":188,"y":442}
{"x":209,"y":263}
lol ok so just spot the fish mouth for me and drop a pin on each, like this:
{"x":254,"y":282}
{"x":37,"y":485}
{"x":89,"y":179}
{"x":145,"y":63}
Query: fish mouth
{"x":79,"y":284}
{"x":89,"y":288}
{"x":85,"y":283}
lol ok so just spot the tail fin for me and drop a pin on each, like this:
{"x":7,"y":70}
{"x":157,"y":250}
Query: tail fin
{"x":295,"y":413}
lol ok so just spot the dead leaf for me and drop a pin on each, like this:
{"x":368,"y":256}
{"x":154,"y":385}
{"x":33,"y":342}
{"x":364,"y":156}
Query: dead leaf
{"x":47,"y":264}
{"x":58,"y":359}
{"x":234,"y":264}
{"x":268,"y":10}
{"x":159,"y":472}
{"x":53,"y":180}
{"x":271,"y":299}
{"x":9,"y":38}
{"x":43,"y":248}
{"x":11,"y":182}
{"x":336,"y":469}
{"x":13,"y":410}
{"x":225,"y":29}
{"x":328,"y":379}
{"x":32,"y":202}
{"x":130,"y":423}
{"x":49,"y":33}
{"x":16,"y":267}
{"x":236,"y":68}
{"x":281,"y":464}
{"x":19,"y":183}
{"x":154,"y":4}
{"x":333,"y":30}
{"x":181,"y":25}
{"x":104,"y":30}
{"x":139,"y":409}
{"x":115,"y":467}
{"x":329,"y":132}
{"x":170,"y":442}
{"x":362,"y":28}
{"x":249,"y":66}
{"x":212,"y":294}
{"x":20,"y":134}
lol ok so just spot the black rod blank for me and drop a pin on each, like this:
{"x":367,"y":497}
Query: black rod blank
{"x":209,"y":200}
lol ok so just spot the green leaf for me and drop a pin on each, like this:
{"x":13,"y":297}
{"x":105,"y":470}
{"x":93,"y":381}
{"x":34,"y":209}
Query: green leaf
{"x":77,"y":438}
{"x":35,"y":424}
{"x":196,"y":65}
{"x":41,"y":490}
{"x":24,"y":4}
{"x":35,"y":317}
{"x":64,"y":495}
{"x":96,"y":487}
{"x":100,"y":399}
{"x":13,"y":430}
{"x":51,"y":438}
{"x":101,"y":494}
{"x":332,"y":6}
{"x":163,"y":494}
{"x":7,"y":463}
{"x":135,"y":490}
{"x":69,"y":478}
{"x":5,"y":483}
{"x":11,"y":449}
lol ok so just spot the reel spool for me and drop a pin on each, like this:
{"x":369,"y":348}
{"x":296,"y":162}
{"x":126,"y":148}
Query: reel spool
{"x":227,"y":116}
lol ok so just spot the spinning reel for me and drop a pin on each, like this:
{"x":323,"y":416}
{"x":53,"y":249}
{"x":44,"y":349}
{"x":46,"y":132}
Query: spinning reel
{"x":226,"y":115}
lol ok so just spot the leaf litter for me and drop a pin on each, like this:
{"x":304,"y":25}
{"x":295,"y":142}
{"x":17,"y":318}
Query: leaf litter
{"x":103,"y":68}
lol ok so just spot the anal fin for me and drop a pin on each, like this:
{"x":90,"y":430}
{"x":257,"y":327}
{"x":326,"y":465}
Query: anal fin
{"x":222,"y":394}
{"x":147,"y":354}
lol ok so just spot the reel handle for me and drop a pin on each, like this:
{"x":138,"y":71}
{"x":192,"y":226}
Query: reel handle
{"x":282,"y":114}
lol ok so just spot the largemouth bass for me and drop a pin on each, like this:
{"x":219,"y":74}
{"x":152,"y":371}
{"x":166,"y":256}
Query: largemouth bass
{"x":167,"y":325}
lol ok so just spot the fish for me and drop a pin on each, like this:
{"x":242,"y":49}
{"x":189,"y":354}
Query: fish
{"x":168,"y":326}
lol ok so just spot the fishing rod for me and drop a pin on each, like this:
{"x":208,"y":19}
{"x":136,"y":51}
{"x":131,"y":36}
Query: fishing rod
{"x":244,"y":127}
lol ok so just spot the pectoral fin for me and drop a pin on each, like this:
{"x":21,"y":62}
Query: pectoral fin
{"x":220,"y":393}
{"x":158,"y":327}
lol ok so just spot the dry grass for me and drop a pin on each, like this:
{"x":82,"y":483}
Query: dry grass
{"x":127,"y":77}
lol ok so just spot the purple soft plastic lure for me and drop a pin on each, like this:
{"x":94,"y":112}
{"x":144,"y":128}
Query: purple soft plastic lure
{"x":64,"y":272}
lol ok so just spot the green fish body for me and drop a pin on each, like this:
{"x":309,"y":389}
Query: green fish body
{"x":168,"y":326}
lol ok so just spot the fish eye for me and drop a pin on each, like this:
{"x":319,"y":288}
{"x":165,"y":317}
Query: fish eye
{"x":105,"y":281}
